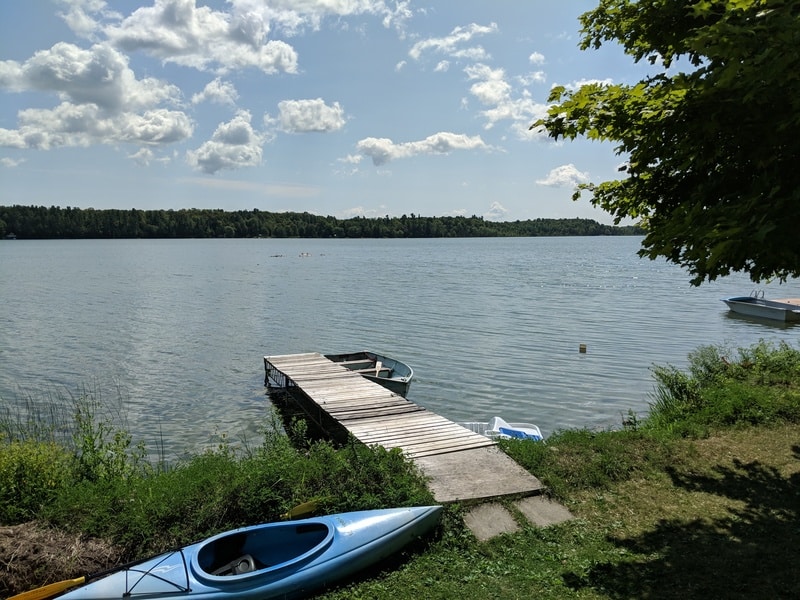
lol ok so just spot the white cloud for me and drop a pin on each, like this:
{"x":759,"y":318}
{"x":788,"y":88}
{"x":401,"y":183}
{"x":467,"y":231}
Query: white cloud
{"x":564,"y":176}
{"x":11,"y":163}
{"x":304,"y":116}
{"x":536,"y":58}
{"x":383,"y":150}
{"x":442,"y":67}
{"x":292,"y":16}
{"x":218,"y":92}
{"x":142,"y":157}
{"x":450,"y":44}
{"x":360,"y":211}
{"x":534,"y":77}
{"x":179,"y":31}
{"x":520,"y":110}
{"x":496,"y":212}
{"x":474,"y":54}
{"x":398,"y":17}
{"x":159,"y":126}
{"x":353,"y":159}
{"x":84,"y":125}
{"x":83,"y":16}
{"x":233,"y":145}
{"x":246,"y":35}
{"x":492,"y":89}
{"x":102,"y":101}
{"x":575,"y":85}
{"x":99,"y":75}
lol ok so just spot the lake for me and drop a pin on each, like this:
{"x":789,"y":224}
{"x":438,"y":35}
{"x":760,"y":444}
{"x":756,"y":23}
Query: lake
{"x":177,"y":329}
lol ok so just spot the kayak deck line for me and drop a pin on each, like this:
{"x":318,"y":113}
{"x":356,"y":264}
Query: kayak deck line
{"x":462,"y":465}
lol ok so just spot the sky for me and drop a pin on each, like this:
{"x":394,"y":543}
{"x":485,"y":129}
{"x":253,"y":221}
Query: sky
{"x":335,"y":107}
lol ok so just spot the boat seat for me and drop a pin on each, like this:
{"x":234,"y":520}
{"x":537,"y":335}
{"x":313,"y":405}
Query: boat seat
{"x":350,"y":363}
{"x":384,"y":372}
{"x":238,"y":566}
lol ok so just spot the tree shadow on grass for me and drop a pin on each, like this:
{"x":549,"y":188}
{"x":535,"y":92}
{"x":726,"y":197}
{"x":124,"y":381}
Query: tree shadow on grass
{"x":752,"y":552}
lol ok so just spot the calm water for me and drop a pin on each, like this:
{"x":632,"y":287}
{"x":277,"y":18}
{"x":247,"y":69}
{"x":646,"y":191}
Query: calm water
{"x":178,"y":328}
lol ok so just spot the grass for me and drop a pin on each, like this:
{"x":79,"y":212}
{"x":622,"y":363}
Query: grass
{"x":700,"y":499}
{"x":721,"y":521}
{"x":97,"y":482}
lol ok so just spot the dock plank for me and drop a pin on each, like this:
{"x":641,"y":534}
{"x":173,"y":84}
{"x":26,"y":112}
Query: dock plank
{"x":462,"y":465}
{"x":418,"y":434}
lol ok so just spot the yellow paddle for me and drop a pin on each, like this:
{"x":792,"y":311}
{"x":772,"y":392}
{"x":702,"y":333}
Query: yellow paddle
{"x":53,"y":589}
{"x":302,"y":510}
{"x":49,"y":591}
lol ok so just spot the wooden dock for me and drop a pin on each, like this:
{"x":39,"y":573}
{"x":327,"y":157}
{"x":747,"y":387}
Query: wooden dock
{"x":462,"y":465}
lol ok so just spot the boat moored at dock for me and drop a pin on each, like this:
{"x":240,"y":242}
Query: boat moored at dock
{"x":392,"y":374}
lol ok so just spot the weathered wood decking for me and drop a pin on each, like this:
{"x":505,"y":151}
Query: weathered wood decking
{"x":462,"y":465}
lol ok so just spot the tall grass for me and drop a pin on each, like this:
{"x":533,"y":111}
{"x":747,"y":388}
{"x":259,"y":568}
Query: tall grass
{"x":87,"y":474}
{"x":46,"y":418}
{"x":50,"y":444}
{"x":722,"y":388}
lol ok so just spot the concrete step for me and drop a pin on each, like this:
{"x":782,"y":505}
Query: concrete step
{"x":492,"y":518}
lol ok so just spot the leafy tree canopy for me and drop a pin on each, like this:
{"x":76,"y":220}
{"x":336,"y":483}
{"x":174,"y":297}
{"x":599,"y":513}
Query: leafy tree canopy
{"x":712,"y":138}
{"x":41,"y":222}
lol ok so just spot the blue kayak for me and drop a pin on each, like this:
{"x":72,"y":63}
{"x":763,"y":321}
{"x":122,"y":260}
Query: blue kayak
{"x":273,"y":560}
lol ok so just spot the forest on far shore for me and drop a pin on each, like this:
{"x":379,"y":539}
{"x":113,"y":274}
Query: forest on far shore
{"x":40,"y":222}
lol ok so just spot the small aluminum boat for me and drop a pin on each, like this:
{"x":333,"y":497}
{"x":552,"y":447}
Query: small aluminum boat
{"x":755,"y":305}
{"x":390,"y":373}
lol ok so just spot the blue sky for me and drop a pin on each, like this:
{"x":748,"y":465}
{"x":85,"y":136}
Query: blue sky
{"x":335,"y":107}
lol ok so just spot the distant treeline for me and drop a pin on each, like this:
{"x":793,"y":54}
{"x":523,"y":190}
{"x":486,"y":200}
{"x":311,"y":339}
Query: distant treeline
{"x":40,"y":222}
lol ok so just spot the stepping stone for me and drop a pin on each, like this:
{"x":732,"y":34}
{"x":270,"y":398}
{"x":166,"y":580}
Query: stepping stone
{"x":490,"y":520}
{"x":541,"y":511}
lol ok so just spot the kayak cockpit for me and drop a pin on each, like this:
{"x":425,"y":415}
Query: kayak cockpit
{"x":258,"y":550}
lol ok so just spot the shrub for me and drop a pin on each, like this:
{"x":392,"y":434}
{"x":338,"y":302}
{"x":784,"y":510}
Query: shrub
{"x":677,"y":396}
{"x":103,"y":450}
{"x":31,"y":474}
{"x":760,"y":386}
{"x":149,"y":511}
